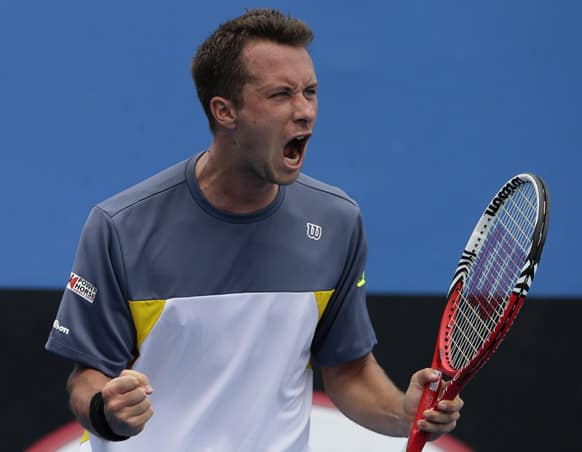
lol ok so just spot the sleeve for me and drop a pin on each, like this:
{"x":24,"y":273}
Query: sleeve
{"x":345,"y":331}
{"x":94,"y":326}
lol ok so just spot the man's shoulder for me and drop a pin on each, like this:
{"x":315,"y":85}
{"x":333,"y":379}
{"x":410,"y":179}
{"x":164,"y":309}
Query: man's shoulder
{"x":327,"y":192}
{"x":156,"y":185}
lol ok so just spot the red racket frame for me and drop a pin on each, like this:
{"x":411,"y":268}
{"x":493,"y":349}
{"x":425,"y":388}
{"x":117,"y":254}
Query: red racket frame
{"x":448,"y":390}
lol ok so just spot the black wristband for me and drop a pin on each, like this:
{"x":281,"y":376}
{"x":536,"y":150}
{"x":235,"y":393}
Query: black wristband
{"x":98,"y":420}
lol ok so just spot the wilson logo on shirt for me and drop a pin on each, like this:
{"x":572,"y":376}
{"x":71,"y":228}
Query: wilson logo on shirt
{"x":314,"y":231}
{"x":60,"y":328}
{"x":82,"y":287}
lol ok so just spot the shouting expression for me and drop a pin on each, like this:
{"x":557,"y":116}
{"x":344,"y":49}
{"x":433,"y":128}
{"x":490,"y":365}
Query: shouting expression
{"x":278,"y":112}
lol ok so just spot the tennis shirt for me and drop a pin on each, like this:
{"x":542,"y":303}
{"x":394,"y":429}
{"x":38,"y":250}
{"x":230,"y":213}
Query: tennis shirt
{"x":222,"y":312}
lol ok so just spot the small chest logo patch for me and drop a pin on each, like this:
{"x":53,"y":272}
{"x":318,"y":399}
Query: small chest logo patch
{"x":314,"y":231}
{"x":82,"y":287}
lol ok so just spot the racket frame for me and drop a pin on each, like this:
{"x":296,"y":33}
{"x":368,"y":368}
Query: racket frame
{"x":447,"y":390}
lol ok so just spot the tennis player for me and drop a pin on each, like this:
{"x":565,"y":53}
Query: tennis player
{"x":199,"y":297}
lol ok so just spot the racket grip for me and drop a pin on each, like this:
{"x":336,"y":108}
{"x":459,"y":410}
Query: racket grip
{"x":418,"y":438}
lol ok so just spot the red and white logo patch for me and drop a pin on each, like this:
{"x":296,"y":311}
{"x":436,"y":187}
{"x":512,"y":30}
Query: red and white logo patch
{"x":82,"y":287}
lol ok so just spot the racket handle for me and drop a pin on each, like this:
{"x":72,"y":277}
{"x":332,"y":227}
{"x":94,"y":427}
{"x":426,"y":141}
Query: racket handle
{"x":418,"y":438}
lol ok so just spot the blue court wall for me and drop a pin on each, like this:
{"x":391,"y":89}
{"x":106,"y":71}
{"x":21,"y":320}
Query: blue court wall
{"x":425,"y":109}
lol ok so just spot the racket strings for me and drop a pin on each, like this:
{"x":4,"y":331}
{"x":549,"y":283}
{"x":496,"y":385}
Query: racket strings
{"x":494,"y":272}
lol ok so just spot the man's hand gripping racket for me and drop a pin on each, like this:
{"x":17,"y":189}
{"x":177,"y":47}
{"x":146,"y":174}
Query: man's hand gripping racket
{"x":488,"y":289}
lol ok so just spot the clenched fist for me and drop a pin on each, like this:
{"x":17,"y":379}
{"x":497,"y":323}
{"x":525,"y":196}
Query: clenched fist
{"x":126,"y":401}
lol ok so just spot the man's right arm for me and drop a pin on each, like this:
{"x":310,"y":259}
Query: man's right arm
{"x":127,"y":407}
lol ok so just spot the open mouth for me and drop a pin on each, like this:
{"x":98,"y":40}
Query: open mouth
{"x":294,"y":149}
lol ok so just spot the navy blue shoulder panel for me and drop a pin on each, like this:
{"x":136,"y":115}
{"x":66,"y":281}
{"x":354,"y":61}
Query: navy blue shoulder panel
{"x":309,"y":181}
{"x":154,"y":185}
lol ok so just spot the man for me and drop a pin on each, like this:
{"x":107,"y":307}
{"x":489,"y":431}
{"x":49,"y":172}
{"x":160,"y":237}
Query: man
{"x":204,"y":292}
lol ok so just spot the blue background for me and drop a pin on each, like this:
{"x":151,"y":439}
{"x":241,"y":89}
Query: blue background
{"x":425,"y":109}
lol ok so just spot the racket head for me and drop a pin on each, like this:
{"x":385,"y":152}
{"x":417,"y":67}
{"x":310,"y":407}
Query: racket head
{"x":493,"y":276}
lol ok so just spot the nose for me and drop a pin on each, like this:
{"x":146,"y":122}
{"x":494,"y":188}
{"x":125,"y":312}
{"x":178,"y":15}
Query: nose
{"x":305,"y":108}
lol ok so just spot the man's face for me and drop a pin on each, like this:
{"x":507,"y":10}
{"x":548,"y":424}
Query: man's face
{"x":278,"y":112}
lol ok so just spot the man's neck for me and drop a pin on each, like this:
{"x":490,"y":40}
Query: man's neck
{"x":230,"y":189}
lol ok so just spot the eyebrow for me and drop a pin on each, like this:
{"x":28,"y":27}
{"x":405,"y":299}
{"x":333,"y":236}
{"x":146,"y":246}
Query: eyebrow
{"x":286,"y":85}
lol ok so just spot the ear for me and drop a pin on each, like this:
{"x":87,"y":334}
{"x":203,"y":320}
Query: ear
{"x":224,"y":112}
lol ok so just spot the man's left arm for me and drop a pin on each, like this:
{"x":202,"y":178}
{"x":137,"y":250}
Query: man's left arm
{"x":361,"y":390}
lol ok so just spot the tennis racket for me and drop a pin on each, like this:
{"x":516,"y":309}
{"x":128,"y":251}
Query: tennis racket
{"x":489,"y":286}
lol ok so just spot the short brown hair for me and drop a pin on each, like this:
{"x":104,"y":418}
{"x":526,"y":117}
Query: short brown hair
{"x":217,"y":67}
